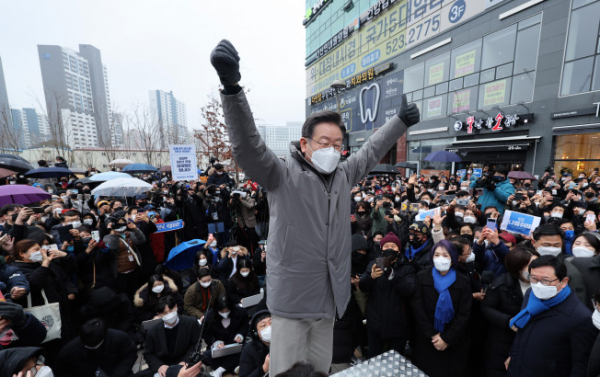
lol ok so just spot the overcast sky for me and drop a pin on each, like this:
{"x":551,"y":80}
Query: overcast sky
{"x":153,"y":44}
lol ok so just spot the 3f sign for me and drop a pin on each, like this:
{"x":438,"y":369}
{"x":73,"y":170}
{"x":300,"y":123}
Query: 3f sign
{"x":457,"y":11}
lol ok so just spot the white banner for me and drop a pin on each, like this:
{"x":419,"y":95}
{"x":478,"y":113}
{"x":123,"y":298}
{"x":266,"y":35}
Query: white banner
{"x":183,"y":162}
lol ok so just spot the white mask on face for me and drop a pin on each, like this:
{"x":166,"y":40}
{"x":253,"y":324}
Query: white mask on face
{"x":442,"y":264}
{"x":170,"y":318}
{"x":596,"y":318}
{"x":544,"y":292}
{"x":158,"y":288}
{"x":469,"y":220}
{"x":206,"y":285}
{"x":202,"y":262}
{"x":558,"y":215}
{"x":36,"y":256}
{"x":397,"y":199}
{"x":245,"y":274}
{"x":357,"y":199}
{"x":582,"y":252}
{"x":325,"y":160}
{"x":265,"y":334}
{"x":88,"y":222}
{"x":76,"y":224}
{"x":44,"y":371}
{"x":549,"y":250}
{"x":459,"y":214}
{"x":213,"y":244}
{"x":224,"y":315}
{"x":471,"y":258}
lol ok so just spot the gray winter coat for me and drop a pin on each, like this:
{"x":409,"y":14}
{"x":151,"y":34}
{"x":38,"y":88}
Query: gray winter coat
{"x":309,"y":255}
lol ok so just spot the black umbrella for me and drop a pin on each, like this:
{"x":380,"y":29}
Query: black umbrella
{"x":14,"y":163}
{"x":48,"y":173}
{"x":384,"y":168}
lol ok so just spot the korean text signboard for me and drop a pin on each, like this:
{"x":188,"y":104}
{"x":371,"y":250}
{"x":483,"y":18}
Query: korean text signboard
{"x":521,"y":223}
{"x":183,"y":162}
{"x":170,"y":226}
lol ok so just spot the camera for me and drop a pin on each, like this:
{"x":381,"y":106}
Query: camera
{"x":549,"y":169}
{"x":238,"y":194}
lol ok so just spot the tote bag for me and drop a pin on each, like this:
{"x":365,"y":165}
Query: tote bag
{"x":48,"y":314}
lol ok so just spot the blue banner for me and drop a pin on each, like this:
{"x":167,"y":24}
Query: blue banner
{"x":478,"y":172}
{"x":521,"y":223}
{"x":170,"y":226}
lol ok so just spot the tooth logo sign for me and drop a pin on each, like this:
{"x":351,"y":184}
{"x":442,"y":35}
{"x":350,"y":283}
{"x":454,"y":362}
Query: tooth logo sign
{"x":369,"y":102}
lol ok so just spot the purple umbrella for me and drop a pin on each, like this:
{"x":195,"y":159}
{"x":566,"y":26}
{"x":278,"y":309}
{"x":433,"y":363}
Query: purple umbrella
{"x":521,"y":175}
{"x":21,"y":194}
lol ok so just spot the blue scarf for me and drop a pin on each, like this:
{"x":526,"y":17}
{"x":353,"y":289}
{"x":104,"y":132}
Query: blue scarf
{"x":536,"y":306}
{"x":444,"y":311}
{"x":411,"y":251}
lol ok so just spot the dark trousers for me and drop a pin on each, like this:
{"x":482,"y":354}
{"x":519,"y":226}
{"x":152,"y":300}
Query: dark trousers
{"x":377,"y":342}
{"x":128,"y":283}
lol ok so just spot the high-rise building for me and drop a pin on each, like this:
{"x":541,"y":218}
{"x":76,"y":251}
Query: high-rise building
{"x":170,"y":117}
{"x":278,"y":138}
{"x":18,"y":136}
{"x":71,"y":80}
{"x":116,"y":129}
{"x":35,"y":126}
{"x":3,"y":91}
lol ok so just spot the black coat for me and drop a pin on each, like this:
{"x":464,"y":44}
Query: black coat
{"x":115,"y":357}
{"x":225,"y":267}
{"x":590,"y":269}
{"x":386,"y":305}
{"x":454,"y":360}
{"x":216,"y":332}
{"x":156,"y":352}
{"x":502,"y":302}
{"x":96,"y":266}
{"x":252,"y":358}
{"x":346,"y":332}
{"x":235,"y":292}
{"x":422,"y":259}
{"x":556,"y":342}
{"x":114,"y":308}
{"x":594,"y":365}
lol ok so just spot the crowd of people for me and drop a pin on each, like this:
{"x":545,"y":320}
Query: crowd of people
{"x":456,"y":296}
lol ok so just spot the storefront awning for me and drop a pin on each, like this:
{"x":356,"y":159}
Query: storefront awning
{"x":506,"y":149}
{"x":577,"y":129}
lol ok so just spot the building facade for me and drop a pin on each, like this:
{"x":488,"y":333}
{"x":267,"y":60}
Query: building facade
{"x":497,"y":81}
{"x":278,"y":138}
{"x":170,"y":117}
{"x":3,"y":91}
{"x":75,"y":117}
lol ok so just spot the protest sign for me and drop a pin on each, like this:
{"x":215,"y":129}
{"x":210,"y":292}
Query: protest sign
{"x":168,"y":227}
{"x":183,"y":162}
{"x":517,"y":222}
{"x":431,"y":213}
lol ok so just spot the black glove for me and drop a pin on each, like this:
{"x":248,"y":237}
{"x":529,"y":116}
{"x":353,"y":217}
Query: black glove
{"x":409,"y":114}
{"x":13,"y":312}
{"x":490,"y":186}
{"x":225,"y":59}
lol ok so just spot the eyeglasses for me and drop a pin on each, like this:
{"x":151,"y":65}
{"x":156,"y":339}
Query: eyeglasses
{"x":337,"y":147}
{"x":545,"y":282}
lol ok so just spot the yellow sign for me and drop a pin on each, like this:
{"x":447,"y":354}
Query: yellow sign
{"x":464,"y":64}
{"x":436,"y":73}
{"x":461,"y":101}
{"x":494,"y":93}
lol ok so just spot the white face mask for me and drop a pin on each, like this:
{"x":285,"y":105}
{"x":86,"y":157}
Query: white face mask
{"x":558,"y":215}
{"x":133,"y":217}
{"x":469,"y":219}
{"x":549,"y":250}
{"x":44,"y":371}
{"x":325,"y":160}
{"x":471,"y":258}
{"x":265,"y":334}
{"x":459,"y":214}
{"x":582,"y":252}
{"x":202,"y":262}
{"x":596,"y":318}
{"x":158,"y":288}
{"x":581,"y":212}
{"x":76,"y":224}
{"x":442,"y":264}
{"x":544,"y":292}
{"x":224,"y":315}
{"x":88,"y":222}
{"x":213,"y":245}
{"x":245,"y":274}
{"x":206,"y":285}
{"x":170,"y":318}
{"x":94,"y":347}
{"x":36,"y":256}
{"x":397,"y":219}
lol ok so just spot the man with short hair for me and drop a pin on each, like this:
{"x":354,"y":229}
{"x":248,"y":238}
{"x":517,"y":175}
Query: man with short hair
{"x":496,"y":189}
{"x":418,"y":249}
{"x":219,"y":177}
{"x":555,"y":333}
{"x":309,"y":239}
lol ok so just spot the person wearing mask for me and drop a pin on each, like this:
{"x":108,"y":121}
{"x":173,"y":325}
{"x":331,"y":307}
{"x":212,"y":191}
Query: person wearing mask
{"x":24,"y":362}
{"x":97,"y":351}
{"x":490,"y":251}
{"x":389,"y":290}
{"x":94,"y":264}
{"x":555,"y":332}
{"x":48,"y":271}
{"x":442,"y":306}
{"x":502,"y":302}
{"x":171,"y":342}
{"x":231,"y":255}
{"x":26,"y":329}
{"x":203,"y":261}
{"x":13,"y":283}
{"x":61,"y":162}
{"x":123,"y":240}
{"x":146,"y":298}
{"x":378,"y":214}
{"x":567,"y":227}
{"x":362,"y":222}
{"x":418,"y":249}
{"x":140,"y":218}
{"x":202,"y":294}
{"x":226,"y":324}
{"x":244,"y":283}
{"x":220,"y":177}
{"x":309,"y":246}
{"x":496,"y":189}
{"x":254,"y":360}
{"x":594,"y":364}
{"x":586,"y":249}
{"x":68,"y":217}
{"x":115,"y":309}
{"x":548,"y":239}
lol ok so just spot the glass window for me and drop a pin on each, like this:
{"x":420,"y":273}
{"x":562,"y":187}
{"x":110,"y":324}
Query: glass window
{"x":583,"y":32}
{"x":499,"y":47}
{"x":494,"y":94}
{"x":435,"y":107}
{"x":418,"y":95}
{"x":522,"y":88}
{"x":441,"y":88}
{"x":580,"y":3}
{"x":596,"y":82}
{"x":527,"y":49}
{"x":456,"y":84}
{"x":436,"y":69}
{"x":413,"y":77}
{"x":577,"y":76}
{"x":504,"y":71}
{"x":577,"y":147}
{"x":489,"y":75}
{"x":530,"y":21}
{"x":466,"y":59}
{"x":429,"y":92}
{"x":462,"y":101}
{"x":472,"y":80}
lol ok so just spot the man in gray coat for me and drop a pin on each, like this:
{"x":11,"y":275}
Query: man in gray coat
{"x":309,"y":255}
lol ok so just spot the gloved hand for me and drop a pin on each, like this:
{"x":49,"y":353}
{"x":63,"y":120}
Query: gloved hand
{"x":490,"y":186}
{"x":13,"y":312}
{"x":225,"y":59}
{"x":409,"y":114}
